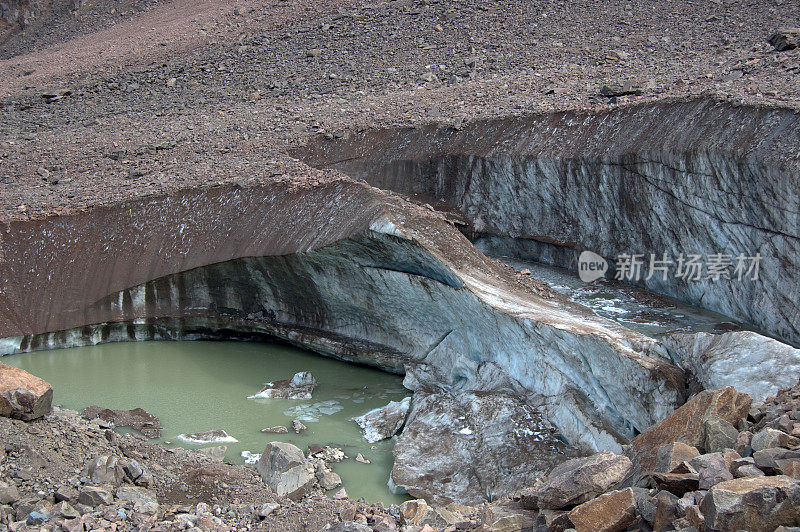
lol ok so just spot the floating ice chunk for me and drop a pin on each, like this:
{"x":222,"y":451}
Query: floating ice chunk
{"x":211,"y":436}
{"x":299,"y":387}
{"x":251,"y":458}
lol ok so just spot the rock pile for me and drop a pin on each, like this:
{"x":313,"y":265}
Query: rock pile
{"x":714,"y":464}
{"x":290,"y":474}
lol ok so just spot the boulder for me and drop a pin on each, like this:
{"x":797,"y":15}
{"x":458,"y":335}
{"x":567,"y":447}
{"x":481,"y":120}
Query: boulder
{"x":65,"y":511}
{"x":767,"y":460}
{"x":329,"y":480}
{"x":676,"y":483}
{"x":22,"y":395}
{"x":418,"y":513}
{"x":382,"y":423}
{"x":9,"y":494}
{"x":755,"y":364}
{"x":298,"y":387}
{"x":578,"y":480}
{"x":667,"y":510}
{"x":718,"y":434}
{"x":216,"y":453}
{"x":785,"y":39}
{"x":105,"y":470}
{"x":671,"y":455}
{"x":686,"y":424}
{"x":93,"y":496}
{"x":712,"y":469}
{"x":470,"y":447}
{"x":143,"y":499}
{"x":789,"y":467}
{"x":136,"y":419}
{"x":748,"y":471}
{"x":610,"y":512}
{"x":742,"y":445}
{"x":768,"y":438}
{"x":284,"y":468}
{"x":754,"y":504}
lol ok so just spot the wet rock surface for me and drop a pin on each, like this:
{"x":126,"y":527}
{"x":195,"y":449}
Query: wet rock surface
{"x":136,"y":418}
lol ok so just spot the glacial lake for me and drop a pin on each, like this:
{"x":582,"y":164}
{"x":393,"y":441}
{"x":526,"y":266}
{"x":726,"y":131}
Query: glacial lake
{"x":201,"y":386}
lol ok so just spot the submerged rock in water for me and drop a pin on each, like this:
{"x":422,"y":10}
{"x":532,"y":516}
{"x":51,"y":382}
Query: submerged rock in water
{"x":384,"y":422}
{"x":136,"y":419}
{"x":22,"y":395}
{"x":299,"y":387}
{"x":755,"y":364}
{"x":280,"y":429}
{"x":471,"y":447}
{"x":285,"y":470}
{"x":211,"y":436}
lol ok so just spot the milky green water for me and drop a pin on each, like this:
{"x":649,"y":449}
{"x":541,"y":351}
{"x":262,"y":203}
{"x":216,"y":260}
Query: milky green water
{"x":200,"y":386}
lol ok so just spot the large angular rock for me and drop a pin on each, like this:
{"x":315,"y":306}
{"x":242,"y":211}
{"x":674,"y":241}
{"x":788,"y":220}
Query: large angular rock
{"x":143,"y":499}
{"x":382,"y":423}
{"x":94,"y":496}
{"x":767,"y":459}
{"x":298,"y":387}
{"x":671,"y":455}
{"x":610,"y":512}
{"x":105,"y":470}
{"x":137,"y":418}
{"x":718,"y":434}
{"x":468,"y":447}
{"x":754,"y":504}
{"x":9,"y":494}
{"x":578,"y":480}
{"x":22,"y":395}
{"x":284,"y":468}
{"x":768,"y":438}
{"x":755,"y":364}
{"x":712,"y":469}
{"x":686,"y":424}
{"x":417,"y":512}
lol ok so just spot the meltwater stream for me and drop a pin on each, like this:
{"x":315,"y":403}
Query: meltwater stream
{"x":200,"y":386}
